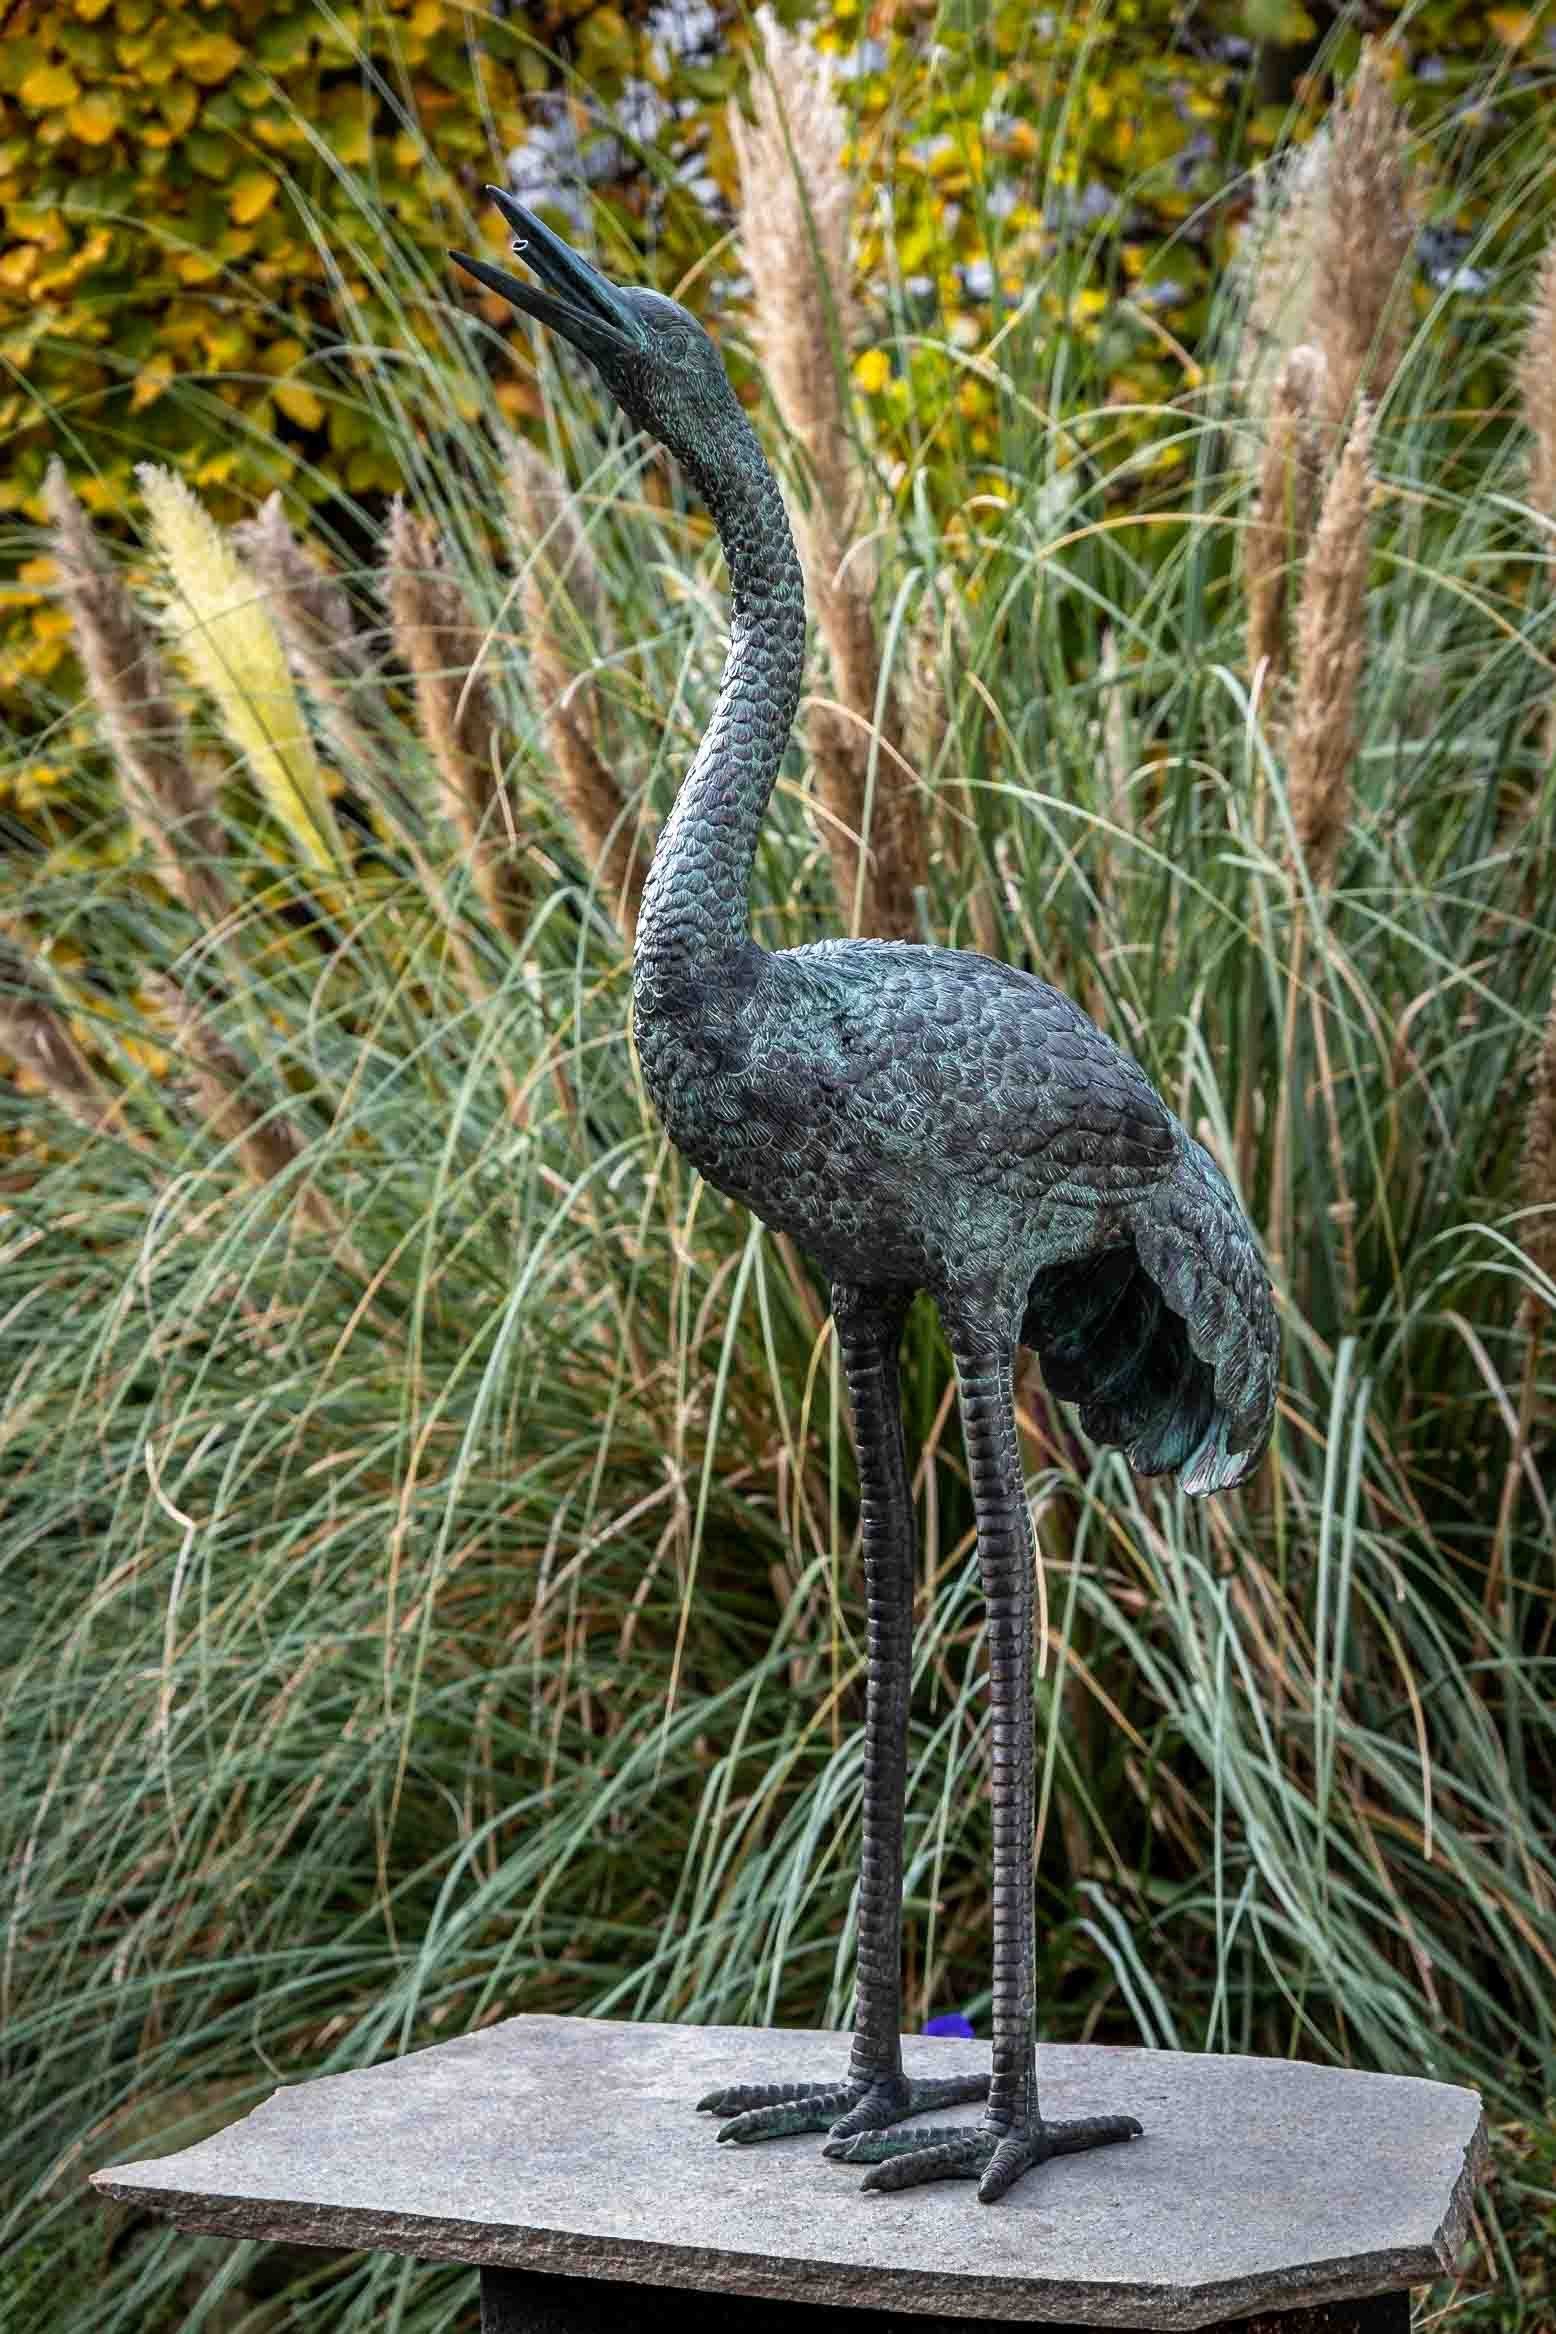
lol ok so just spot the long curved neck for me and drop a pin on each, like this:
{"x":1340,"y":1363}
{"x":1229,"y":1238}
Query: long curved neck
{"x":696,"y":903}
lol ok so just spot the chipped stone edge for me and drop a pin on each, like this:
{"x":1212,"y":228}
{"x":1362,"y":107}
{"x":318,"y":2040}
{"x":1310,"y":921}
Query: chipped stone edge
{"x":765,"y":2277}
{"x":1456,"y":2218}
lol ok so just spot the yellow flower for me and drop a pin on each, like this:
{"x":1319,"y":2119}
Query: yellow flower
{"x":872,"y":371}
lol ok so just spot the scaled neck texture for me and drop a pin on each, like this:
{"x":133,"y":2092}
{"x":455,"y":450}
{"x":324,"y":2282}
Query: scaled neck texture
{"x":695,"y":915}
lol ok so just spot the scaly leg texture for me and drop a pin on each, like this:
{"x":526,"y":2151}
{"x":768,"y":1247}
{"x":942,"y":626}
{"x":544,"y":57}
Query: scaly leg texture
{"x":1012,"y":2135}
{"x":875,"y":2092}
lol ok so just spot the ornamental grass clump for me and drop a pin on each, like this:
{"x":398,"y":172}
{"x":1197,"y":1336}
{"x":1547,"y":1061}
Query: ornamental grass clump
{"x":796,"y":205}
{"x":217,"y":619}
{"x":392,"y":1648}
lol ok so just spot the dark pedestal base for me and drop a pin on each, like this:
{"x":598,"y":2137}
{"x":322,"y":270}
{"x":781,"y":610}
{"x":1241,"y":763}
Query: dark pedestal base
{"x":526,"y":2301}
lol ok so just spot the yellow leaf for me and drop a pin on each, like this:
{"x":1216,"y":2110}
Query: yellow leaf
{"x":47,"y":86}
{"x":17,"y":264}
{"x":1512,"y":25}
{"x":208,"y":58}
{"x":90,"y":10}
{"x":95,"y":118}
{"x":299,"y":403}
{"x":37,"y":571}
{"x":178,"y":104}
{"x":194,"y":267}
{"x":872,"y":371}
{"x":254,"y":192}
{"x":150,"y":382}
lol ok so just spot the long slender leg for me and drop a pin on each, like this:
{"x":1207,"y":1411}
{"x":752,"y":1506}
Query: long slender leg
{"x":875,"y":2092}
{"x":1011,"y":2135}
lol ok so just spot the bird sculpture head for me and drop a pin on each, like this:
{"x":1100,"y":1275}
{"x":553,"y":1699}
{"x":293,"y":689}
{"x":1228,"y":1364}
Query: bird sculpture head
{"x":651,"y":353}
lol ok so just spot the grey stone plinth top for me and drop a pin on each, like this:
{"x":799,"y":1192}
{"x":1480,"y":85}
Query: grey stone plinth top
{"x":571,"y":2145}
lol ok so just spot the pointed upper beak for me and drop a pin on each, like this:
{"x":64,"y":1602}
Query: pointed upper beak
{"x":580,"y":303}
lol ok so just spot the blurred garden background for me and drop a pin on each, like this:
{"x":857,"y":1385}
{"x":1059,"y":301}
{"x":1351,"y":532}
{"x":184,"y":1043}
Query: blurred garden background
{"x":427,"y":1516}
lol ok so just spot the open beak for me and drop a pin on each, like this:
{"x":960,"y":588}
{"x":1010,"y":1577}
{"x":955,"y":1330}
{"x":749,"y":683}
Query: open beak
{"x":580,"y":303}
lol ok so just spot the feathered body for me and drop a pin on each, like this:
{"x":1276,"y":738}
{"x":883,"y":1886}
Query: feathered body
{"x":923,"y":1118}
{"x":916,"y":1118}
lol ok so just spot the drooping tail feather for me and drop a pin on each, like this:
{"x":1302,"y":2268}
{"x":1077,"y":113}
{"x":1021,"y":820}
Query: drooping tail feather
{"x":1169,"y":1344}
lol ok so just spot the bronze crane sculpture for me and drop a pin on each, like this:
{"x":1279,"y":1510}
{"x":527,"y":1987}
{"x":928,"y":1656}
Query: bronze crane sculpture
{"x":915,"y":1118}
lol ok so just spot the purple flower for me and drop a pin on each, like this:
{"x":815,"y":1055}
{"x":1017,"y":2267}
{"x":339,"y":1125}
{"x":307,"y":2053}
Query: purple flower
{"x":951,"y":2022}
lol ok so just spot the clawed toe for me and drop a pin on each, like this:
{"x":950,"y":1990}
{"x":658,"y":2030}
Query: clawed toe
{"x":993,"y":2156}
{"x":758,"y":2111}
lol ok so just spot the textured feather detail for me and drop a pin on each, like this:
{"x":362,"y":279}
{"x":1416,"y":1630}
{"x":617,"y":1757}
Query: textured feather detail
{"x":1168,"y":1344}
{"x":1193,"y":1239}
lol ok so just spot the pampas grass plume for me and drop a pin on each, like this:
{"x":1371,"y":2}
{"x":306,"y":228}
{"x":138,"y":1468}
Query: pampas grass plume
{"x":1331,"y":645}
{"x":1364,"y":236}
{"x":440,"y":640}
{"x":796,"y":205}
{"x":226,"y":640}
{"x":1284,"y":504}
{"x":163,"y":798}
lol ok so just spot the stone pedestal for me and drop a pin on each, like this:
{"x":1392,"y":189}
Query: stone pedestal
{"x":562,"y":2158}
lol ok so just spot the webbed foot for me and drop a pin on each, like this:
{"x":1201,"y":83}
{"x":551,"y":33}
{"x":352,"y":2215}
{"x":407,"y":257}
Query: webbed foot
{"x":992,"y":2154}
{"x":759,"y":2111}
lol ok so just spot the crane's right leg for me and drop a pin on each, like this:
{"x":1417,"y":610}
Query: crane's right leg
{"x":875,"y":2091}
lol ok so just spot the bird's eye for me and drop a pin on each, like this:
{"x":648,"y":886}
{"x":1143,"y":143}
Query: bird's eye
{"x":675,"y":344}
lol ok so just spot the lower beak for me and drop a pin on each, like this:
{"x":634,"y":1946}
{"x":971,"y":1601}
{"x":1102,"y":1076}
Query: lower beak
{"x":581,"y":304}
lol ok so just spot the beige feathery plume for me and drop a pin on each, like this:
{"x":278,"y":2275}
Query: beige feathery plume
{"x":36,"y":1034}
{"x":224,"y":636}
{"x":562,"y":600}
{"x":164,"y":800}
{"x":796,"y":207}
{"x":1331,"y":645}
{"x":1275,"y":261}
{"x":1364,"y":236}
{"x":318,"y":626}
{"x":1537,"y":388}
{"x":1287,"y":497}
{"x":441,"y":642}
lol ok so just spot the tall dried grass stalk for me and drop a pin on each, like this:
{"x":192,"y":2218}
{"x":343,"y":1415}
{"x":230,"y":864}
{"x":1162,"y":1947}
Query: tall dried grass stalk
{"x":441,"y":642}
{"x":1364,"y":236}
{"x":1284,"y":506}
{"x":796,"y":206}
{"x":1538,"y":1166}
{"x":36,"y":1034}
{"x":163,"y":798}
{"x":562,"y":599}
{"x":224,"y":636}
{"x":327,"y":648}
{"x":1331,"y":647}
{"x":1537,"y":388}
{"x":266,"y":1141}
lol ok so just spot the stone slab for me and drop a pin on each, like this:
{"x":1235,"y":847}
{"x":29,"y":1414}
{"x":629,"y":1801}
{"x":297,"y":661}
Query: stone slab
{"x":570,"y":2145}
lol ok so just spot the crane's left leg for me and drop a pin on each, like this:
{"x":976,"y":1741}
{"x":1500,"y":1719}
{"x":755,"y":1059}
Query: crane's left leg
{"x":1011,"y":2136}
{"x":875,"y":2091}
